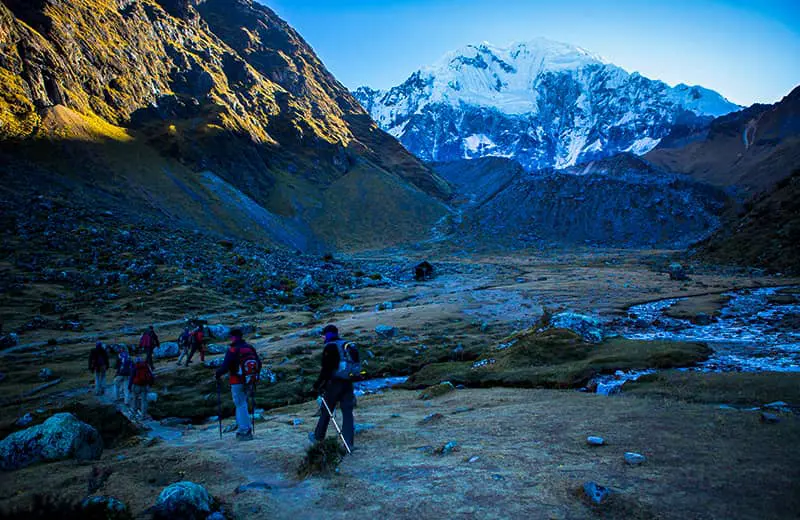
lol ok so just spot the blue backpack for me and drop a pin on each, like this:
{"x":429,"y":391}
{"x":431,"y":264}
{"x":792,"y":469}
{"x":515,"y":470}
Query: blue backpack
{"x":349,"y":362}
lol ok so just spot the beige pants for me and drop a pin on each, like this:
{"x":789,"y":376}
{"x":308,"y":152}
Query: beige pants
{"x":121,"y":392}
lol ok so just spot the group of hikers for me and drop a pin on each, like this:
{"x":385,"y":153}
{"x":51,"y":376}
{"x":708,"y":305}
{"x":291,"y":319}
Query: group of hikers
{"x":133,"y":377}
{"x":341,"y":366}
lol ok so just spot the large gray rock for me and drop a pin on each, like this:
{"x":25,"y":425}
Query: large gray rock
{"x":385,"y":331}
{"x":167,"y":349}
{"x":589,"y":327}
{"x":185,"y":500}
{"x":216,"y":348}
{"x":62,"y":436}
{"x":677,"y":272}
{"x":219,"y":331}
{"x":107,"y":508}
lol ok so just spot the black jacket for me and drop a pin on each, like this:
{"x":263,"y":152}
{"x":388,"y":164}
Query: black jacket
{"x":330,"y":364}
{"x":98,"y":359}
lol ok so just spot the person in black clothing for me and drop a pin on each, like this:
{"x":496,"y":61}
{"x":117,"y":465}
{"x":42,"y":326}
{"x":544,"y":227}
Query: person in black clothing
{"x":335,"y":384}
{"x":98,"y":364}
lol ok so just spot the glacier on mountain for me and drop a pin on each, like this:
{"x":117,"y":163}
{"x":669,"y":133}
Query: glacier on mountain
{"x":543,"y":103}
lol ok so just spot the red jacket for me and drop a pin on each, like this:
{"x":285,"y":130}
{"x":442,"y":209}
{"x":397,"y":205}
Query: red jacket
{"x":231,"y":362}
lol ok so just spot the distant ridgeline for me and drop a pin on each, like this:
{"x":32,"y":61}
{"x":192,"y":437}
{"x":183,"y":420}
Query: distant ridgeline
{"x":212,"y":115}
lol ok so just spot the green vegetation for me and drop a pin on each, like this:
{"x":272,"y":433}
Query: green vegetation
{"x":559,"y":358}
{"x":322,"y":458}
{"x":735,"y":388}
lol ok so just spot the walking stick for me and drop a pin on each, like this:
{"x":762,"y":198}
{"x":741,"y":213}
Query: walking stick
{"x":341,"y":435}
{"x":219,"y":407}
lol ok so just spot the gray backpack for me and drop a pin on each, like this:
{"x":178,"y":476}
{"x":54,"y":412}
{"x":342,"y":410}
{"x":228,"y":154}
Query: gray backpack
{"x":349,"y":361}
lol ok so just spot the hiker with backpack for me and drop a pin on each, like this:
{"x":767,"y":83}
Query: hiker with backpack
{"x":341,"y":366}
{"x":139,"y":384}
{"x":123,"y":367}
{"x":148,"y":343}
{"x":196,"y":344}
{"x":98,"y":364}
{"x":183,"y":345}
{"x":244,"y":366}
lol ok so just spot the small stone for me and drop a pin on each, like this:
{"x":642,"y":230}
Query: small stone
{"x":496,"y":476}
{"x":473,"y":459}
{"x":769,"y":418}
{"x":25,"y":420}
{"x":385,"y":331}
{"x":361,"y":428}
{"x":595,"y":441}
{"x":595,"y":492}
{"x":296,"y":422}
{"x":448,"y":448}
{"x":45,"y":374}
{"x":230,"y":428}
{"x":432,"y":418}
{"x":634,"y":459}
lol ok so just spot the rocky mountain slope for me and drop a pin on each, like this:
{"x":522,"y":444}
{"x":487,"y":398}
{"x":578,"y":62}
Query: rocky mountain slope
{"x":542,"y":103}
{"x":621,"y":202}
{"x":752,"y":149}
{"x":213,"y":115}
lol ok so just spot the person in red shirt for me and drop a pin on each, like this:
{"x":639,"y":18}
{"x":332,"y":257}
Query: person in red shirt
{"x":196,"y":344}
{"x":244,"y":366}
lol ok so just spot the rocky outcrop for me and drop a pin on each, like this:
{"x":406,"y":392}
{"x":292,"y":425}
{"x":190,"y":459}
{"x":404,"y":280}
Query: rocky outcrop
{"x":60,"y":437}
{"x":184,"y":500}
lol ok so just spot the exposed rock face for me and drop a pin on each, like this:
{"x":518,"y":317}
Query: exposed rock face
{"x":543,"y":103}
{"x":621,"y":201}
{"x":60,"y":437}
{"x":232,"y":109}
{"x":752,"y":149}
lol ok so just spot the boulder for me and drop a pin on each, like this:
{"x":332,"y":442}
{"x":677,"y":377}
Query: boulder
{"x":589,"y":327}
{"x":185,"y":500}
{"x":385,"y":306}
{"x":677,"y":272}
{"x":385,"y":331}
{"x":595,"y":441}
{"x":62,"y":436}
{"x":216,"y":348}
{"x":267,"y":376}
{"x":167,"y":349}
{"x":219,"y":331}
{"x":107,"y":508}
{"x":45,"y":374}
{"x":634,"y":459}
{"x":596,"y":493}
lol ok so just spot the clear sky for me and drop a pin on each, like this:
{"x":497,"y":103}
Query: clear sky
{"x":749,"y":51}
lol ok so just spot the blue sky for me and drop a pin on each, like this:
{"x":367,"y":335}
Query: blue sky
{"x":747,"y":50}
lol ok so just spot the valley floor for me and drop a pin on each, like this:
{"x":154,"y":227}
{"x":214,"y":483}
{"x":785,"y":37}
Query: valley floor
{"x":703,"y":461}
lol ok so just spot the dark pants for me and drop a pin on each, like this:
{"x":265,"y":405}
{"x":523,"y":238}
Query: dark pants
{"x":338,"y":392}
{"x":194,"y":349}
{"x":150,"y":358}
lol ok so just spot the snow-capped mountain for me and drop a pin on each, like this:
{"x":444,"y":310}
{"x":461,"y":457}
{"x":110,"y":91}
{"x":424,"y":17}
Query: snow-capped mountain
{"x":543,"y":103}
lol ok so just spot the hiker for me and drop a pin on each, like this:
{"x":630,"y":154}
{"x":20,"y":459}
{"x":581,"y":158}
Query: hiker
{"x":123,"y":368}
{"x":139,"y":384}
{"x":148,"y":343}
{"x":98,"y":364}
{"x":183,"y":345}
{"x":244,"y":366}
{"x":196,"y":343}
{"x":340,"y":367}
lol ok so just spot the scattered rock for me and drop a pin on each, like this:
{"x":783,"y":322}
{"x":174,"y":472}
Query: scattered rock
{"x":216,"y":348}
{"x":25,"y":420}
{"x":45,"y":374}
{"x":596,"y":493}
{"x":442,"y":388}
{"x":779,"y":406}
{"x":214,"y":363}
{"x":385,"y":331}
{"x":365,"y":427}
{"x":267,"y":375}
{"x":255,"y":486}
{"x":769,"y":418}
{"x":497,"y":476}
{"x":448,"y":448}
{"x":595,"y":441}
{"x":62,"y":436}
{"x":472,"y":459}
{"x":345,"y":308}
{"x":168,"y":349}
{"x":385,"y":306}
{"x":107,"y":508}
{"x":677,"y":272}
{"x":432,"y":418}
{"x":219,"y":331}
{"x":634,"y":459}
{"x":185,"y":500}
{"x":296,"y":422}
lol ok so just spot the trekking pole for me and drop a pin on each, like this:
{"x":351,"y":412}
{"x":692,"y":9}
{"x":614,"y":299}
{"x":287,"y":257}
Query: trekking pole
{"x":341,"y":435}
{"x":219,"y":407}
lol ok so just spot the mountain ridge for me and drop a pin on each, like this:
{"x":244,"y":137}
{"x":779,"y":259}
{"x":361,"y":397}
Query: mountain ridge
{"x":543,"y":103}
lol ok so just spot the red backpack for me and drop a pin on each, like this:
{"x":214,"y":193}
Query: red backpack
{"x":142,"y":375}
{"x":248,"y":363}
{"x":146,"y":342}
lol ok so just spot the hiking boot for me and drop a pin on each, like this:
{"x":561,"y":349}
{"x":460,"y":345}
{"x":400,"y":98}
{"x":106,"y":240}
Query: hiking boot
{"x":244,"y":436}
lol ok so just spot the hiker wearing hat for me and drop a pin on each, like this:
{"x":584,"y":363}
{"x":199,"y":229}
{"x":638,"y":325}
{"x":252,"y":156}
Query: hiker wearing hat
{"x":340,"y":367}
{"x":98,"y":364}
{"x":244,"y":366}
